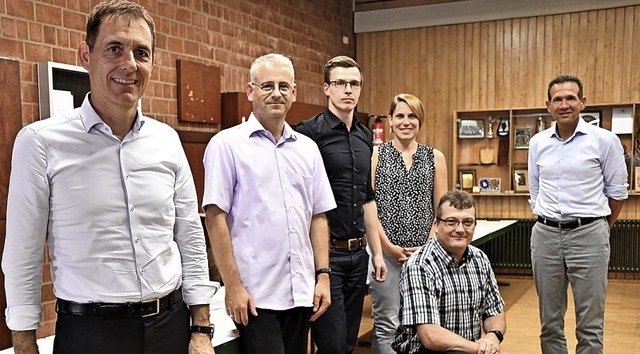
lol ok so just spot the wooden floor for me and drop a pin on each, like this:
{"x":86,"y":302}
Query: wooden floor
{"x":622,"y":319}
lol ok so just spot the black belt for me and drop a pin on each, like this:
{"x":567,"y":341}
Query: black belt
{"x":567,"y":224}
{"x":351,"y":244}
{"x":129,"y":309}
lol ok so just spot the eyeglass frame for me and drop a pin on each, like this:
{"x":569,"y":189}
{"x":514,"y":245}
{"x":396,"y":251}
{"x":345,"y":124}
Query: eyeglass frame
{"x":344,"y":83}
{"x":458,"y":222}
{"x":270,"y":91}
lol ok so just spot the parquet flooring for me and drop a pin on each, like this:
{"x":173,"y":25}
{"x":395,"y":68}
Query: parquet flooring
{"x":622,"y":319}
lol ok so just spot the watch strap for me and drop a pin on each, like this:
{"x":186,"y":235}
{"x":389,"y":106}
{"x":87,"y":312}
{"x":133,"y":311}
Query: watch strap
{"x":323,"y":270}
{"x":204,"y":329}
{"x":498,"y":334}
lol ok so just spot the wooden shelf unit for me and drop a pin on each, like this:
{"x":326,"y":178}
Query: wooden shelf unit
{"x":510,"y":152}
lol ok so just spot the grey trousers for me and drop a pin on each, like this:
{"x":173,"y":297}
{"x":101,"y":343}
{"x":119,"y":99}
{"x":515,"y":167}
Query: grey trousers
{"x":579,"y":257}
{"x":386,"y":308}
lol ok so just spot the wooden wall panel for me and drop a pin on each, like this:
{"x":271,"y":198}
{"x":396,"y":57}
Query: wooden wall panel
{"x":502,"y":64}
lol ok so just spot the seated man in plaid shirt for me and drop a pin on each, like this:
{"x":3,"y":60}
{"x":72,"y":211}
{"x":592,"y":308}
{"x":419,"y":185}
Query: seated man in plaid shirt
{"x":448,"y":290}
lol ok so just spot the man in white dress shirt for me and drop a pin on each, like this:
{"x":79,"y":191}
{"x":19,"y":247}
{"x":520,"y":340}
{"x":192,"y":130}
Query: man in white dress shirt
{"x":111,"y":193}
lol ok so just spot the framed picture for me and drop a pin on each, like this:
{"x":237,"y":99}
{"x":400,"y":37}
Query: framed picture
{"x":521,"y":138}
{"x":471,"y":128}
{"x":521,"y":180}
{"x":489,"y":185}
{"x":592,"y":117}
{"x":467,"y":180}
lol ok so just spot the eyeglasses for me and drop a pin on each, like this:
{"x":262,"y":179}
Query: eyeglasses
{"x":341,"y":84}
{"x":466,"y":223}
{"x":268,"y":87}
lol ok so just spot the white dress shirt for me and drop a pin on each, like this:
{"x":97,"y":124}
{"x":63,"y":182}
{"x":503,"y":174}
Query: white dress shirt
{"x":120,"y":217}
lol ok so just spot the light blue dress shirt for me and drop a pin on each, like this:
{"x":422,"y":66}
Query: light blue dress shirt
{"x":575,"y":178}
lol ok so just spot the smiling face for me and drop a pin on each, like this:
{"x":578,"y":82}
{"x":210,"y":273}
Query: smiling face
{"x":274,"y":78}
{"x":404,"y":122}
{"x":455,"y":239}
{"x":343,"y":100}
{"x":119,"y":64}
{"x":565,"y":104}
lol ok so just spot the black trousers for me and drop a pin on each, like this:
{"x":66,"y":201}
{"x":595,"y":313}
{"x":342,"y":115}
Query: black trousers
{"x":276,"y":332}
{"x":166,"y":333}
{"x":336,"y":331}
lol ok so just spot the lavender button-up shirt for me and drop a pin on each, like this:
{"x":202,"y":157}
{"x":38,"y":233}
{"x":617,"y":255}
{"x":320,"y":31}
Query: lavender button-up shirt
{"x":270,"y":191}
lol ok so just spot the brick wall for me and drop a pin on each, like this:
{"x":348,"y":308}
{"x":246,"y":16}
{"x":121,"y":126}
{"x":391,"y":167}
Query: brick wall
{"x":225,"y":33}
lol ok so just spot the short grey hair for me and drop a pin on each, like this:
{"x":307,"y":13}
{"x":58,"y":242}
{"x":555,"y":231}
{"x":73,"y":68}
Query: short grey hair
{"x":270,"y":59}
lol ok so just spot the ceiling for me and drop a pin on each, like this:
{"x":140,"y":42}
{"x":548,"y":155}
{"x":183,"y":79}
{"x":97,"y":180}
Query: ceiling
{"x":387,"y":15}
{"x":368,"y":5}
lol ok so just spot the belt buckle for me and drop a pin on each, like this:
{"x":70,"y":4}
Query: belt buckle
{"x":157,"y":311}
{"x":568,"y":224}
{"x":354,"y":244}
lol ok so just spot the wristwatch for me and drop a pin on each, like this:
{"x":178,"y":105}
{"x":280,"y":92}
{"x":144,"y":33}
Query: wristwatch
{"x":323,"y":270}
{"x":498,"y":334}
{"x":204,"y":329}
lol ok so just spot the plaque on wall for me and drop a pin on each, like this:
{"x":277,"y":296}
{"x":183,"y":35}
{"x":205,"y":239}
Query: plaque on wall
{"x":199,"y":94}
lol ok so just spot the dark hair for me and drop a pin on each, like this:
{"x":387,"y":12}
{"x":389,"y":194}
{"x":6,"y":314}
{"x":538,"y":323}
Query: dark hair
{"x":341,"y":61}
{"x":562,"y":79}
{"x":412,"y":101}
{"x":118,"y":9}
{"x":457,"y":199}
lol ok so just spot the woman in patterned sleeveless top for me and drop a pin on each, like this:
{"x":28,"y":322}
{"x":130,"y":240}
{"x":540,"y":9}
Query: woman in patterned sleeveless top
{"x":409,"y":178}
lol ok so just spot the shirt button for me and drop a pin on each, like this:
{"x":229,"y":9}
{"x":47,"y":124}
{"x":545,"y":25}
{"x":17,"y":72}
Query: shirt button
{"x":132,"y":208}
{"x":354,"y":205}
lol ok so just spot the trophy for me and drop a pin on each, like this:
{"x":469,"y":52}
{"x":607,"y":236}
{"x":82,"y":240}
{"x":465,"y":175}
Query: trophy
{"x":541,"y":124}
{"x":490,"y":128}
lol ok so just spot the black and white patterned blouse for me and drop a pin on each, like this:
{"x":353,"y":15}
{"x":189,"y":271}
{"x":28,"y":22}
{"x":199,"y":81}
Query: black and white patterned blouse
{"x":405,"y":197}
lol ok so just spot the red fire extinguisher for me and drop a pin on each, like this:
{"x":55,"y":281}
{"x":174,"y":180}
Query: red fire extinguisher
{"x":377,"y":128}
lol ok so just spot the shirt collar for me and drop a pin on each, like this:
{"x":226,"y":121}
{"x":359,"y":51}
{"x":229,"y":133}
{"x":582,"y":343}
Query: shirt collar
{"x":335,"y":122}
{"x":448,"y":258}
{"x":253,"y":126}
{"x":581,"y":129}
{"x":91,"y":119}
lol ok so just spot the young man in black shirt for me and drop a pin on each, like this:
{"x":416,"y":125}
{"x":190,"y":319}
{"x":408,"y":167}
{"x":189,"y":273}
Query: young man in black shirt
{"x":346,"y":147}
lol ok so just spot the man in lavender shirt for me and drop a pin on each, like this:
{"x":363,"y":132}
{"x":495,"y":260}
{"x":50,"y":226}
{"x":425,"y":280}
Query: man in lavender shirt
{"x":266,"y":191}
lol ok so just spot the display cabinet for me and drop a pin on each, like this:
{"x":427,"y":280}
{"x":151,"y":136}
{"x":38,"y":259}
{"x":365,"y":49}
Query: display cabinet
{"x":490,"y":147}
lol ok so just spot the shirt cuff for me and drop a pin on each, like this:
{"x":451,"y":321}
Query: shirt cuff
{"x":199,"y":292}
{"x":23,"y":317}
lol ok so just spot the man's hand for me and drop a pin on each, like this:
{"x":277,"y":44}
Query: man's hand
{"x":238,"y":302}
{"x":24,"y":342}
{"x":489,"y":344}
{"x":322,"y":296}
{"x":379,"y":273}
{"x":200,"y":343}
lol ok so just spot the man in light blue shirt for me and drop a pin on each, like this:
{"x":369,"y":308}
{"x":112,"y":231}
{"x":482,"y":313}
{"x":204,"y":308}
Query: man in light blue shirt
{"x":578,"y":185}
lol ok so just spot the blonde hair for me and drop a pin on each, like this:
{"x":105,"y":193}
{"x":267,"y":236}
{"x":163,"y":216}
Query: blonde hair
{"x":412,"y":101}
